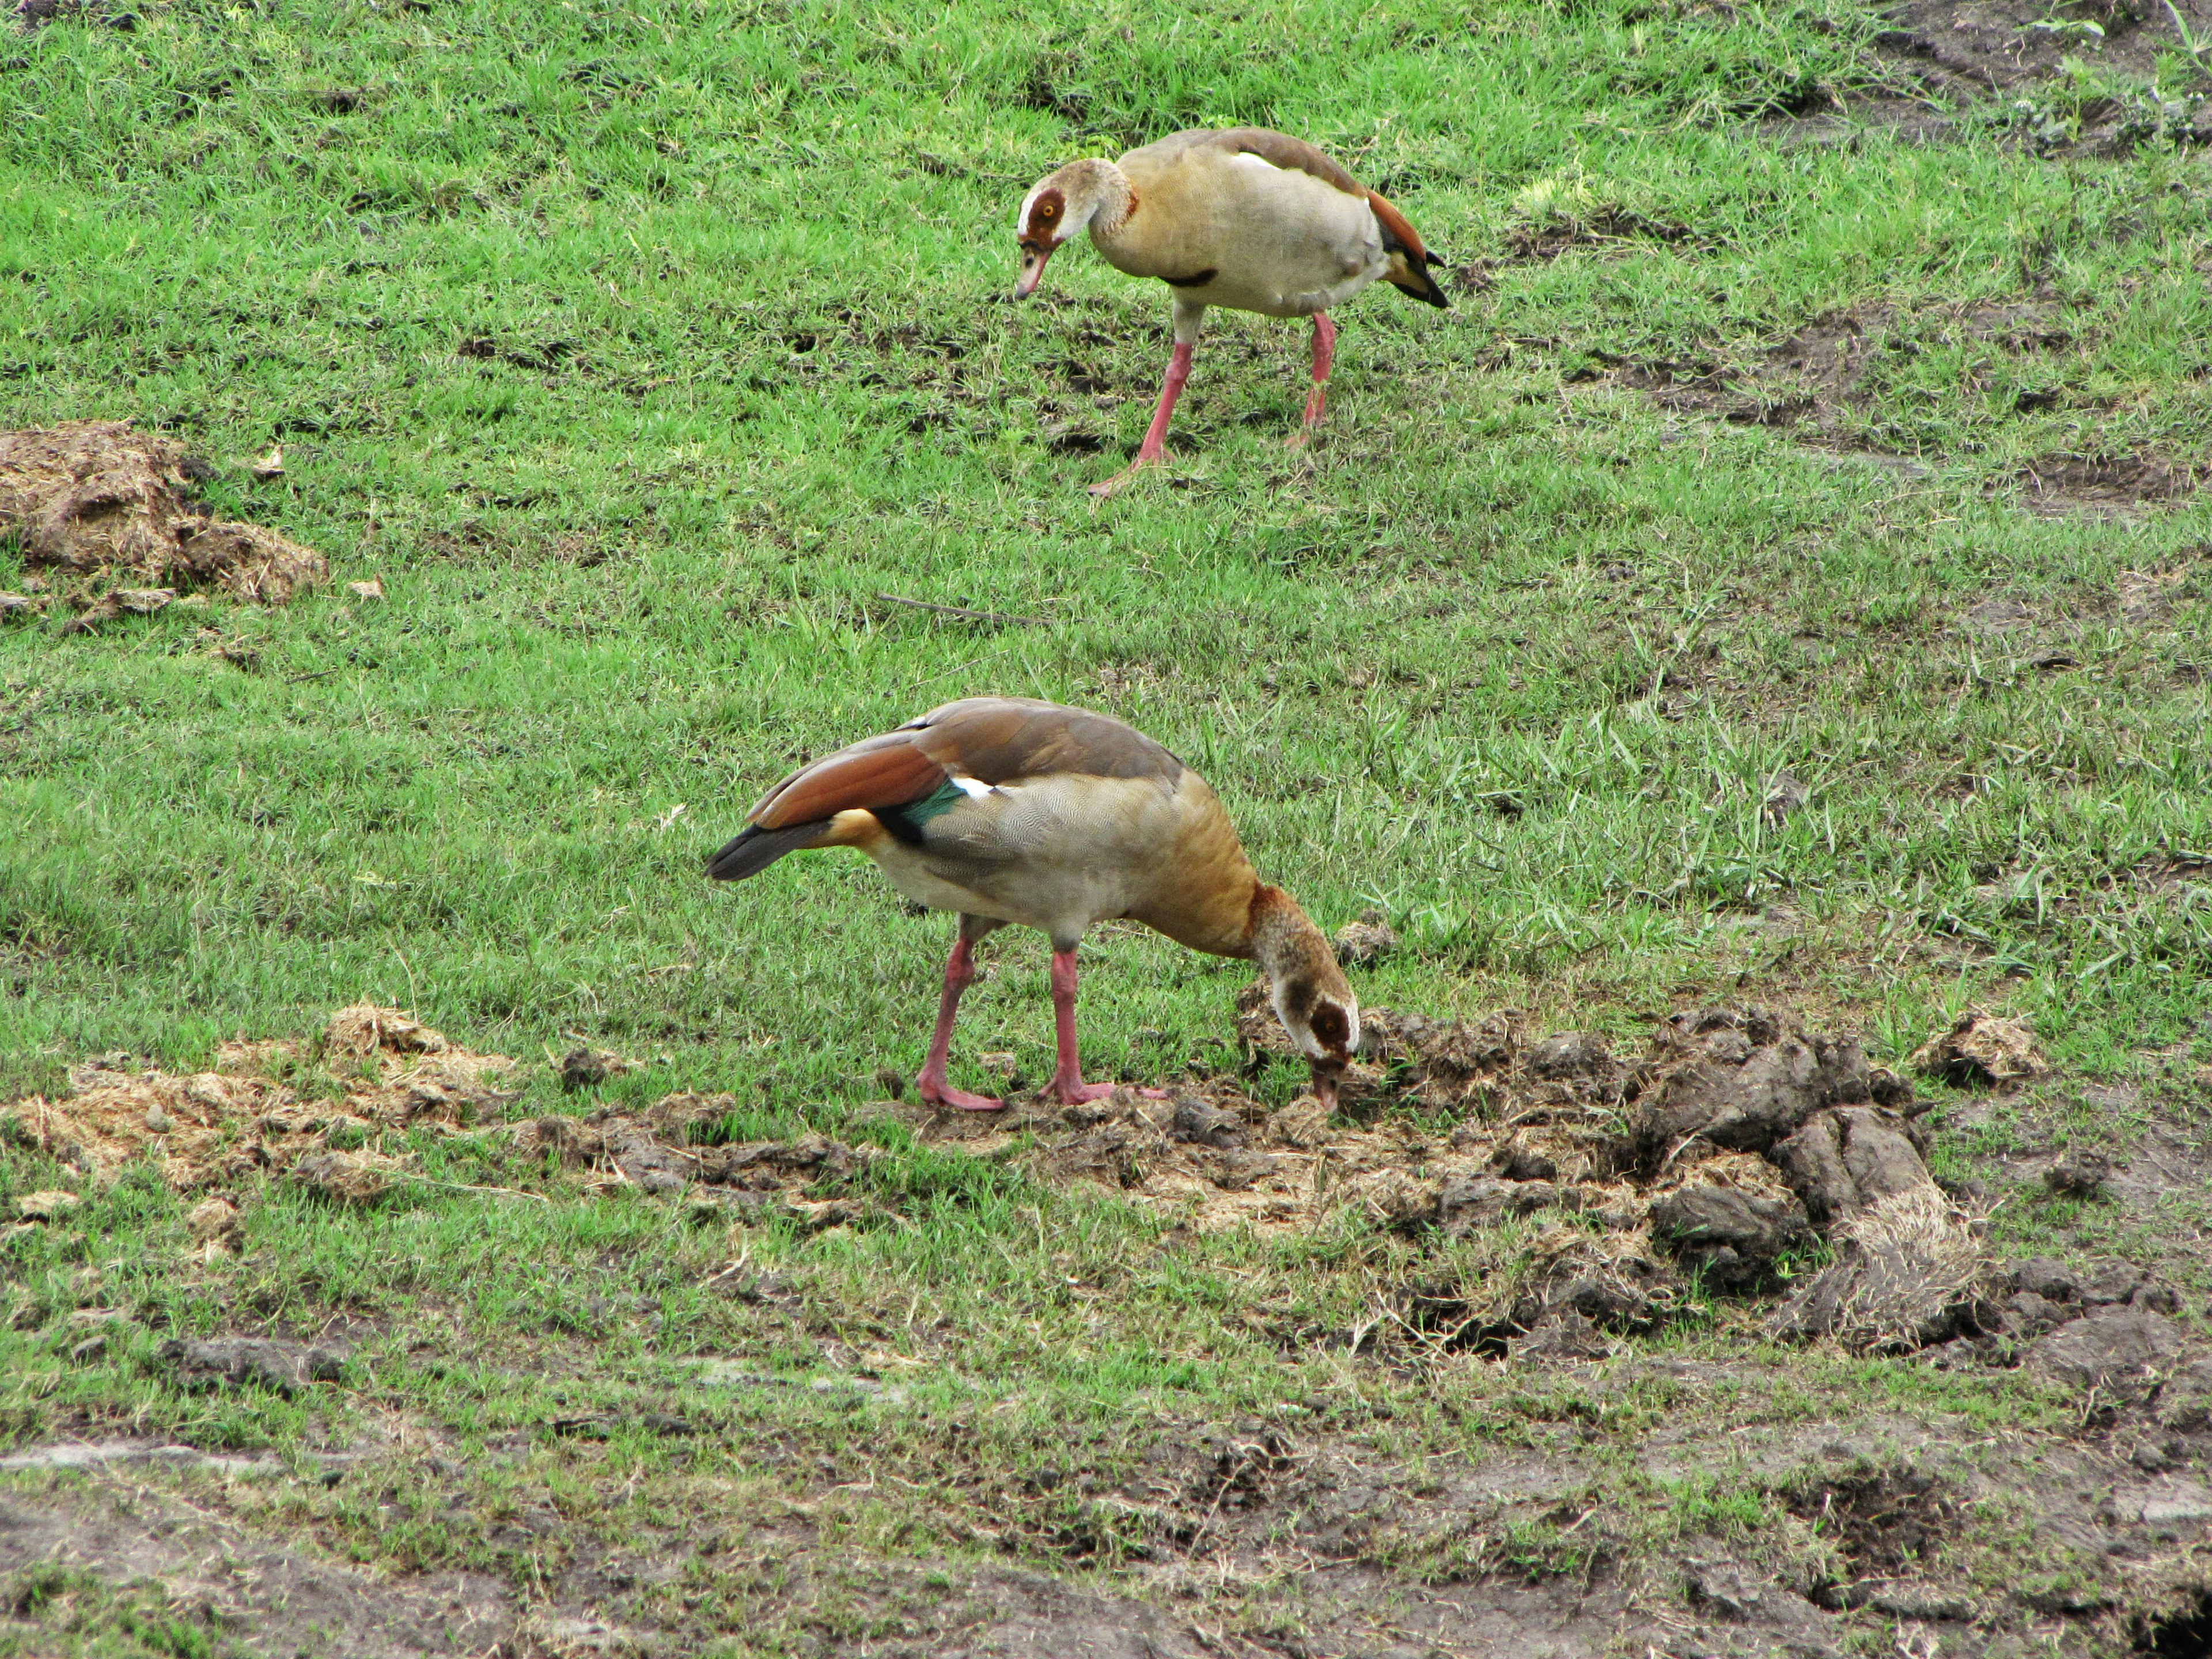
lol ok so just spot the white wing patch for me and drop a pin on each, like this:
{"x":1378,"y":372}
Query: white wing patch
{"x":974,"y":788}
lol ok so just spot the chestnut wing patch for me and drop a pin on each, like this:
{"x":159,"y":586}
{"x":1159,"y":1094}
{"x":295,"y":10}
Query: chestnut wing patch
{"x":891,"y":770}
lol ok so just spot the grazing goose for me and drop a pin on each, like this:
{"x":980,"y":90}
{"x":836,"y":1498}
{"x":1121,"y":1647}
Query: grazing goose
{"x":1008,"y":810}
{"x":1247,"y":218}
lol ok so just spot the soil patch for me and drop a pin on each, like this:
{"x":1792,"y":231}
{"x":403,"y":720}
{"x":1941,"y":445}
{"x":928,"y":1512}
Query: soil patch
{"x":254,"y":1114}
{"x":1828,"y":384}
{"x":814,"y":1181}
{"x":203,"y":1576}
{"x":2056,"y":486}
{"x":111,"y":506}
{"x":1815,"y":381}
{"x":1595,"y":226}
{"x":1978,"y":46}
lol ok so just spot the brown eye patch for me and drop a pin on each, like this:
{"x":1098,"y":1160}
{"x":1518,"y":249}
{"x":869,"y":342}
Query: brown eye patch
{"x":1330,"y":1025}
{"x":1044,"y":213}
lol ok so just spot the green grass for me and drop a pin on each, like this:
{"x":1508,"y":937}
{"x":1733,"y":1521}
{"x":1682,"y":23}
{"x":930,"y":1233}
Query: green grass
{"x":640,"y":350}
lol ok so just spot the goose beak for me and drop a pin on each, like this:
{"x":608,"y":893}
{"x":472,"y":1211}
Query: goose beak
{"x":1033,"y":258}
{"x":1325,"y":1076}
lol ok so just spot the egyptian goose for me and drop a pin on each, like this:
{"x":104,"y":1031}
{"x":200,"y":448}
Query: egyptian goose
{"x":1008,"y":810}
{"x":1247,"y":218}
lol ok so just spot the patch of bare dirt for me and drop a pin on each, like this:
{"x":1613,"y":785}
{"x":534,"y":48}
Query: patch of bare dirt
{"x":1596,"y":227}
{"x":1850,"y":118}
{"x":111,"y":507}
{"x":1979,"y":46}
{"x":1823,"y":384}
{"x":2056,"y":486}
{"x":199,"y":1568}
{"x":811,"y":1181}
{"x":1814,"y":380}
{"x":1944,"y":55}
{"x":214,"y":1130}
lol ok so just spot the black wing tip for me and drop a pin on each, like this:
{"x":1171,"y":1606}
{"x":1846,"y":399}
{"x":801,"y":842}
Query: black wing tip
{"x":722,"y":865}
{"x":1429,"y":291}
{"x":753,"y":849}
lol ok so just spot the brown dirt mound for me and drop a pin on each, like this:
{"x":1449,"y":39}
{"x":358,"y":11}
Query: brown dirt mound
{"x":99,"y":498}
{"x":215,"y":1129}
{"x":1982,"y":1050}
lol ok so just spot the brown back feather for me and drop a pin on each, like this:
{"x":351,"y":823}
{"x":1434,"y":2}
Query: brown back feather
{"x":1002,"y":739}
{"x":995,"y":739}
{"x":1280,"y":149}
{"x":890,"y":770}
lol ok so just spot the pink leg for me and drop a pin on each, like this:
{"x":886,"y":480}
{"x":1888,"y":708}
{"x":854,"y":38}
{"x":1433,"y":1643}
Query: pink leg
{"x":1324,"y":353}
{"x":959,"y":974}
{"x":1067,"y":1085}
{"x":1153,"y":449}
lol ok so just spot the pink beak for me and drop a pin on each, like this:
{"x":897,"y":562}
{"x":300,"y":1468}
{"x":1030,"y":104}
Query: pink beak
{"x":1032,"y":271}
{"x":1324,"y":1085}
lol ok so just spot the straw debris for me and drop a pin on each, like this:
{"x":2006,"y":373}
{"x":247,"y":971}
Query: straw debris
{"x":1982,"y":1051}
{"x":250,"y":1115}
{"x":1909,"y":1273}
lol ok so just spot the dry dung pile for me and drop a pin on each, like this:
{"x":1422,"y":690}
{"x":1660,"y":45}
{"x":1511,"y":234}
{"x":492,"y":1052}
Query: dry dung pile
{"x":216,"y":1129}
{"x":99,"y":499}
{"x":652,"y":1151}
{"x":1590,"y":1191}
{"x":1908,"y":1274}
{"x":1980,"y":1051}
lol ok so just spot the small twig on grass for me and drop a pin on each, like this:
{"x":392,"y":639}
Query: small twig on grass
{"x":457,"y":1187}
{"x":964,"y":612}
{"x":744,"y":1256}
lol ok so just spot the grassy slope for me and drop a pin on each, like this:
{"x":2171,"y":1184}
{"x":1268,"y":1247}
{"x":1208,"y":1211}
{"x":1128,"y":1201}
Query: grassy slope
{"x":638,"y":350}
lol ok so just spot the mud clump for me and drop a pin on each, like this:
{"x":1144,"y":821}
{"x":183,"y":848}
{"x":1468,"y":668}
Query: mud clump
{"x":1841,"y":1161}
{"x":285,"y":1368}
{"x":2080,"y":1173}
{"x":813,"y":1181}
{"x":1731,"y":1235}
{"x":1742,"y":1081}
{"x":99,"y":499}
{"x":1364,"y":942}
{"x":587,"y":1067}
{"x":2120,"y":1352}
